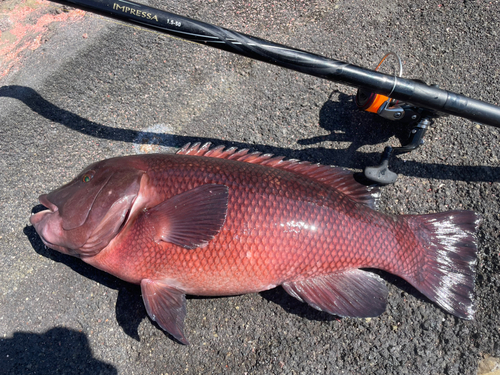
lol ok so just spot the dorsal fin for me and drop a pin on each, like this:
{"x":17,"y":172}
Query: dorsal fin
{"x":338,"y":178}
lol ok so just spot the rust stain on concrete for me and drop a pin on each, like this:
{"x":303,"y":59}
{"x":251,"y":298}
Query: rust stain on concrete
{"x":25,"y":25}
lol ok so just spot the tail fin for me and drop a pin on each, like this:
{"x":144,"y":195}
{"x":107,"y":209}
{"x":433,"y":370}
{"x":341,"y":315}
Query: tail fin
{"x":447,"y":273}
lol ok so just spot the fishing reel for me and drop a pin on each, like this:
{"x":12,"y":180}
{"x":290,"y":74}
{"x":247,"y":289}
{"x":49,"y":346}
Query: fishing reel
{"x":418,"y":118}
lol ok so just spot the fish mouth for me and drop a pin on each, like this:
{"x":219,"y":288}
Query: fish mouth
{"x":53,"y":246}
{"x":38,"y":217}
{"x":39,"y":220}
{"x":45,"y":201}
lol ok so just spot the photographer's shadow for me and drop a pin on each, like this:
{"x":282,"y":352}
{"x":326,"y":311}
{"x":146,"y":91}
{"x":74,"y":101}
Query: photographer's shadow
{"x":57,"y":351}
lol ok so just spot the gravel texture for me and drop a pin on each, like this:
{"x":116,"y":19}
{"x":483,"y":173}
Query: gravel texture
{"x":95,"y":89}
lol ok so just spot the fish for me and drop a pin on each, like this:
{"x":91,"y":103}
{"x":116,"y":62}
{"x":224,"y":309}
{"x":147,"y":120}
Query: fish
{"x":216,"y":221}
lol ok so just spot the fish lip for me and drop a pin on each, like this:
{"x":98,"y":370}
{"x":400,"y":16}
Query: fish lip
{"x":44,"y":201}
{"x":59,"y":248}
{"x":37,"y":218}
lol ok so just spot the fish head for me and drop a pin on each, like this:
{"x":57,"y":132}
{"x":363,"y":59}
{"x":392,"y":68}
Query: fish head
{"x":83,"y":216}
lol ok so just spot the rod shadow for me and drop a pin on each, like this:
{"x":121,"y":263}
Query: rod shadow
{"x":57,"y":351}
{"x":341,"y":119}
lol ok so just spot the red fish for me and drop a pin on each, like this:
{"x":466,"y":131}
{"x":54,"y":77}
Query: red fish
{"x":217,"y":222}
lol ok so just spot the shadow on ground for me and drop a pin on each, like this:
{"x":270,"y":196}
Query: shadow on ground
{"x":341,"y":130}
{"x":57,"y":351}
{"x":130,"y":310}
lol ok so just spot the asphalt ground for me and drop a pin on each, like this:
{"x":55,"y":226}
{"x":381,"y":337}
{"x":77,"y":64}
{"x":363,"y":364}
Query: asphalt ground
{"x":93,"y":89}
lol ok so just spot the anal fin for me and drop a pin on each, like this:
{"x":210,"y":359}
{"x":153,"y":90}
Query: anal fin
{"x":350,"y":293}
{"x":165,"y":305}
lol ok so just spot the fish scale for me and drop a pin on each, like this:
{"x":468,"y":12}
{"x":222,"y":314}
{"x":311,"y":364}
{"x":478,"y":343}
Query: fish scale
{"x":280,"y":251}
{"x":220,"y":222}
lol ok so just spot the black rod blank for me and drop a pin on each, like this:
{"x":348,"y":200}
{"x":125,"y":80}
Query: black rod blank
{"x":413,"y":92}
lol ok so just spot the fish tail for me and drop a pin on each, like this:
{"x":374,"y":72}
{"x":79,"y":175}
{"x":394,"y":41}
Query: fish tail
{"x":446,"y":271}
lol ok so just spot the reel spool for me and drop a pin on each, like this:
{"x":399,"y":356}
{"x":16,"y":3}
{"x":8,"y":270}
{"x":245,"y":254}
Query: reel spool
{"x":371,"y":102}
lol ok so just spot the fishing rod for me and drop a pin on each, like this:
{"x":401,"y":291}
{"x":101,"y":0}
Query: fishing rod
{"x":390,"y":96}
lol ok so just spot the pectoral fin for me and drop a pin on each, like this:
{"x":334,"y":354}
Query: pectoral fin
{"x":351,"y":293}
{"x":192,"y":218}
{"x":165,"y":305}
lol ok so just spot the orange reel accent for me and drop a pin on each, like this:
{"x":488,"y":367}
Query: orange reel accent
{"x":374,"y":102}
{"x":371,"y":102}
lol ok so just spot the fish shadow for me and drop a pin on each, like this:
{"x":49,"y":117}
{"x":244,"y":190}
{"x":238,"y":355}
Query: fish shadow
{"x":57,"y":351}
{"x":130,"y":310}
{"x":343,"y":121}
{"x":293,"y":306}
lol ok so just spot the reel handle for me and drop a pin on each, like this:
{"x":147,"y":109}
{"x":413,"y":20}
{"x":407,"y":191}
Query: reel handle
{"x":381,"y":173}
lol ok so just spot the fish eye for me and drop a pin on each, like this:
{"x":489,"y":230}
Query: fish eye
{"x":88,"y":176}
